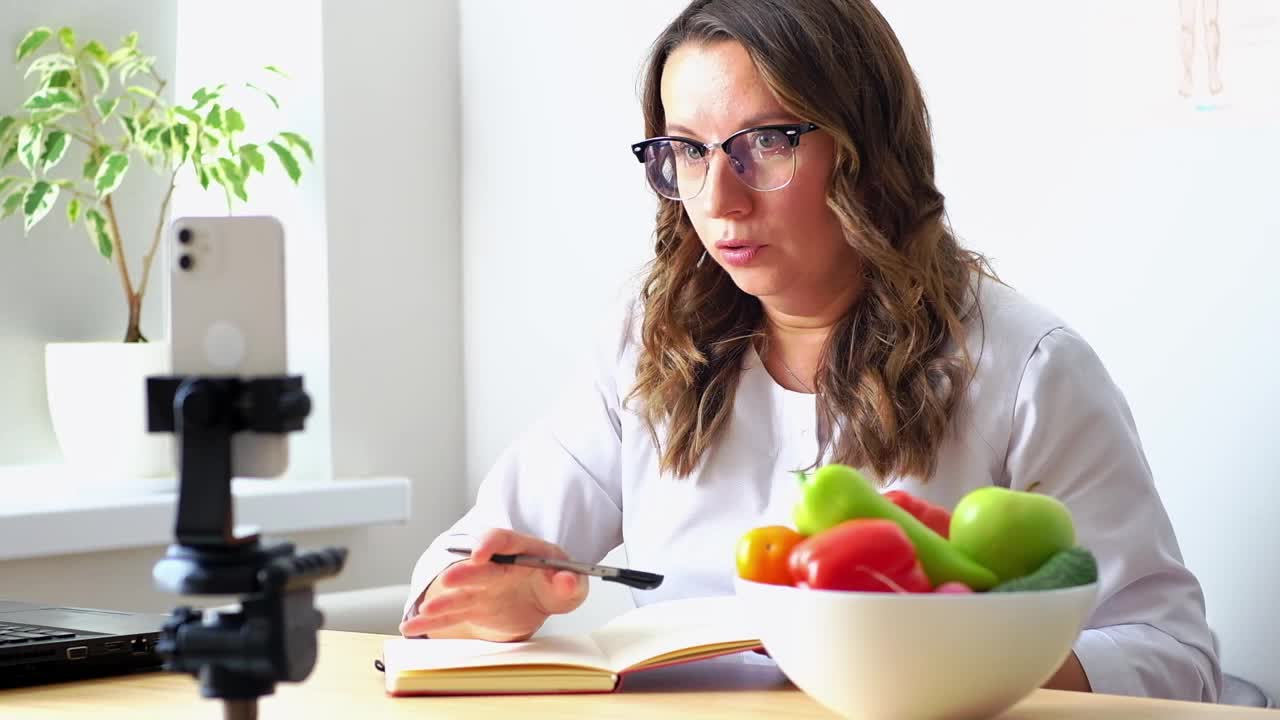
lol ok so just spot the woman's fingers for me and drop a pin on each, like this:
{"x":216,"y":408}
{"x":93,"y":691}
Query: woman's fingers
{"x":453,"y":601}
{"x":511,"y":542}
{"x":470,"y":573}
{"x":560,"y":592}
{"x":419,"y":625}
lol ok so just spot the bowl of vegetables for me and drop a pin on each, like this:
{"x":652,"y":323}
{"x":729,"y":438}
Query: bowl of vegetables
{"x":884,"y":606}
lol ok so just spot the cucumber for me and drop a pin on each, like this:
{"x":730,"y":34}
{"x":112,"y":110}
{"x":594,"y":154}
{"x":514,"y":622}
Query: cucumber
{"x":1067,"y":568}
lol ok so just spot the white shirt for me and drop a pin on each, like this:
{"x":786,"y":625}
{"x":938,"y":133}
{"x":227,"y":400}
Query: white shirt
{"x":1041,"y":408}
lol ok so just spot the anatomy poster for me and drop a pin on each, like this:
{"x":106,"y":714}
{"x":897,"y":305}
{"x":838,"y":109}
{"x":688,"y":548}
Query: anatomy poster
{"x":1185,"y":62}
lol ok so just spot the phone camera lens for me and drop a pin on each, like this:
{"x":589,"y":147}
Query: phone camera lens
{"x":184,"y":236}
{"x":186,"y":262}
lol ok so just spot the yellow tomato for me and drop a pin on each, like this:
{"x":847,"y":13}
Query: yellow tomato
{"x":763,"y":554}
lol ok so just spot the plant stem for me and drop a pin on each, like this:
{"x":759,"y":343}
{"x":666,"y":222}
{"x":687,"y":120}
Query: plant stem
{"x":75,"y":134}
{"x":155,"y":241}
{"x":132,"y":334}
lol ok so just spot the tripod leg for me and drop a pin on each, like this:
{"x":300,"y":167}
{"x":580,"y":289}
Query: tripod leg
{"x":240,"y":710}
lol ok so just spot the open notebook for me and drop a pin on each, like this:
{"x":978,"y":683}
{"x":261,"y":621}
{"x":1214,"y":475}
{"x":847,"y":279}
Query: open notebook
{"x":665,"y":633}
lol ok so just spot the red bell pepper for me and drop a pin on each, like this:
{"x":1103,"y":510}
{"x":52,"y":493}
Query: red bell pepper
{"x":935,"y":517}
{"x":866,"y":554}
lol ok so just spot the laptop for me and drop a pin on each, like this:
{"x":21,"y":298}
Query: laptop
{"x":50,"y":643}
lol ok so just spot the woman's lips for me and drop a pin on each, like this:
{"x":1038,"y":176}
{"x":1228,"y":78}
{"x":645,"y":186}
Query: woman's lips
{"x":738,"y":253}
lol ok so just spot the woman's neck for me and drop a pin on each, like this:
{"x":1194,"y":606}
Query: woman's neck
{"x":796,"y":339}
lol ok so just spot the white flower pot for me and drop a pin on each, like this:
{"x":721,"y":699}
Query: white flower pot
{"x":98,"y":405}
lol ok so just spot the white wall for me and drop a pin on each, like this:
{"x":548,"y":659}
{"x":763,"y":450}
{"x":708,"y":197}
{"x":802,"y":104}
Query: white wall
{"x":395,"y":305}
{"x":1141,"y":220}
{"x":546,"y":246}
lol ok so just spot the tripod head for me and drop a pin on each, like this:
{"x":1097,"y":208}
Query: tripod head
{"x":238,"y":656}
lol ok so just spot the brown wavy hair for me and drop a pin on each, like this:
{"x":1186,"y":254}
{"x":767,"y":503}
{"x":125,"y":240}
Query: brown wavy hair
{"x":893,"y":367}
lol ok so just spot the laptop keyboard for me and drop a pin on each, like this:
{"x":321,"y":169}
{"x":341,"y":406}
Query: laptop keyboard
{"x":15,"y":634}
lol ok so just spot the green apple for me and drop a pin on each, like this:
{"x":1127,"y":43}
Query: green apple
{"x":1010,"y":532}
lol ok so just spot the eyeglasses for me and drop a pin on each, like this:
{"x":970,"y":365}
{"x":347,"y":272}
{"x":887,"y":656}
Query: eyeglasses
{"x":763,"y":158}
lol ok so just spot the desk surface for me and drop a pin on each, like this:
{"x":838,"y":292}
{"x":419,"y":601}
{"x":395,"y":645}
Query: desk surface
{"x":345,"y":684}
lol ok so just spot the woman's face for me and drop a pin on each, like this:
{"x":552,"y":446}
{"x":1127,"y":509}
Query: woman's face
{"x":782,"y":246}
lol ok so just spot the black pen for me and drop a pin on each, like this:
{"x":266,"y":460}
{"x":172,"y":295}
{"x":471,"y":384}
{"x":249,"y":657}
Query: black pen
{"x":631,"y":578}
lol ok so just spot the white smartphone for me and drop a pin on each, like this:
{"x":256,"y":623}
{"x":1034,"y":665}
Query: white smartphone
{"x":227,"y":315}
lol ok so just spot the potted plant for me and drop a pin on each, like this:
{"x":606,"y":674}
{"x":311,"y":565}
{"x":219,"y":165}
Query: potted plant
{"x":108,"y":108}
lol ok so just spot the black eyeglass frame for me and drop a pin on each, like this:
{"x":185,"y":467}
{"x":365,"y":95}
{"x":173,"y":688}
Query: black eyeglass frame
{"x":792,"y":131}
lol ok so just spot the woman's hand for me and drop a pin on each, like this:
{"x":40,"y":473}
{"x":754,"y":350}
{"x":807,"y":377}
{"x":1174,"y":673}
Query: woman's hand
{"x":478,"y":599}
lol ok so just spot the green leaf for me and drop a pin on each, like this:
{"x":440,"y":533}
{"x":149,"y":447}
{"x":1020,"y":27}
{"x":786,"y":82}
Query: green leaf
{"x":50,"y":64}
{"x":134,"y":66}
{"x":99,"y":232}
{"x":107,"y":106}
{"x":130,"y":126}
{"x":144,"y":92}
{"x":95,"y":50}
{"x":214,"y":118}
{"x":94,"y":161}
{"x":233,"y":120}
{"x":55,"y":146}
{"x":181,"y":142}
{"x":59,"y":79}
{"x":52,"y":99}
{"x":119,"y":56}
{"x":6,"y":122}
{"x":252,"y":157}
{"x":151,"y":134}
{"x":287,"y":160}
{"x":100,"y":76}
{"x":204,"y":96}
{"x":111,"y":173}
{"x":67,"y":37}
{"x":9,"y":155}
{"x":13,"y":202}
{"x":203,"y":176}
{"x":188,"y":114}
{"x":270,"y":97}
{"x":30,"y":145}
{"x":39,"y":201}
{"x":276,"y":70}
{"x":296,"y":140}
{"x":32,"y":42}
{"x":131,"y":40}
{"x":231,"y":175}
{"x":6,"y":182}
{"x":73,"y":210}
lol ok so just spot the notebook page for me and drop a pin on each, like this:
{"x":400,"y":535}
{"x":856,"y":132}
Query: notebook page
{"x":404,"y":654}
{"x":653,"y":630}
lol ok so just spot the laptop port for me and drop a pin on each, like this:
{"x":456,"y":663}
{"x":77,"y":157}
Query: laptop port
{"x":139,"y":646}
{"x":113,"y":646}
{"x":78,"y":652}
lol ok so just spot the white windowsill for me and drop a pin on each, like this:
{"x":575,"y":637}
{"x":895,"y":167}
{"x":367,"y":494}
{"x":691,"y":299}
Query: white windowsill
{"x":39,"y":519}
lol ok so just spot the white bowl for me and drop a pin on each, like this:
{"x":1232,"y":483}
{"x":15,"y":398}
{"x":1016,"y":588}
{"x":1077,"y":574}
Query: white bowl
{"x":917,"y":656}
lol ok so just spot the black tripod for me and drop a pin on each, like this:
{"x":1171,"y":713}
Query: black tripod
{"x":237,"y":656}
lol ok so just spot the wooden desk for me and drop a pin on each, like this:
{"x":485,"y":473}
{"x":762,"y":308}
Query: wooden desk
{"x":346,"y":685}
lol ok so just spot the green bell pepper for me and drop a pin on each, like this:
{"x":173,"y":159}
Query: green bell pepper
{"x":835,"y":493}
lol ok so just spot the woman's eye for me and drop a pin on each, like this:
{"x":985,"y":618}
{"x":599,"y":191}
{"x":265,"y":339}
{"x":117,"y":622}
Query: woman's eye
{"x":766,"y":141}
{"x":692,"y":153}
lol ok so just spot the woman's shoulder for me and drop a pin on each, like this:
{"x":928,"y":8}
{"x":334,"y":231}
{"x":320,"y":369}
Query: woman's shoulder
{"x":1005,"y":327}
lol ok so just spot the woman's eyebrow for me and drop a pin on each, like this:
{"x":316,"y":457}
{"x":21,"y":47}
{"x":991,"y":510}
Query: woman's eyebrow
{"x":770,"y":118}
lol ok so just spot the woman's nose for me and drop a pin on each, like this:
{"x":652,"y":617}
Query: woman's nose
{"x":725,"y":194}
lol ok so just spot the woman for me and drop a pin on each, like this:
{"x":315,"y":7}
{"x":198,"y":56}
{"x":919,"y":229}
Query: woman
{"x":807,"y":303}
